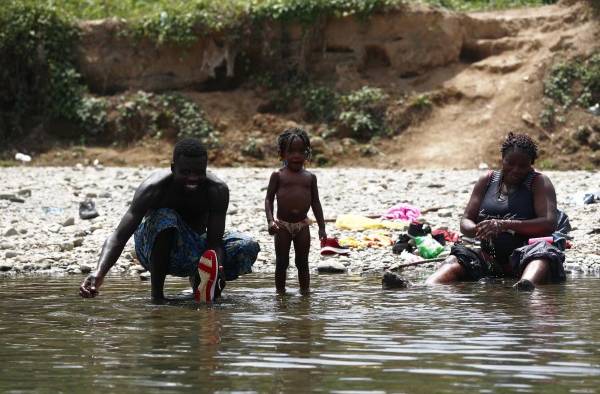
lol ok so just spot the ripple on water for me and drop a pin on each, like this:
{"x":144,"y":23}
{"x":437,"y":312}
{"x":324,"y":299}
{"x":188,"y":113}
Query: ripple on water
{"x":347,"y":336}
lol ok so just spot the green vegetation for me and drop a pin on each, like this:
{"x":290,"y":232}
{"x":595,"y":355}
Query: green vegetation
{"x":181,"y":21}
{"x":37,"y":72}
{"x":569,"y":83}
{"x":159,"y":115}
{"x":39,"y":81}
{"x":320,"y":104}
{"x":363,"y":113}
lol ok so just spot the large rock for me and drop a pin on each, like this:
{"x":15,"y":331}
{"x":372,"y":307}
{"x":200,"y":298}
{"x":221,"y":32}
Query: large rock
{"x":111,"y":61}
{"x":406,"y":41}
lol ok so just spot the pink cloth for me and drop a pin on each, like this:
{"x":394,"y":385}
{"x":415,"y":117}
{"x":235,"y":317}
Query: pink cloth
{"x":403,"y":211}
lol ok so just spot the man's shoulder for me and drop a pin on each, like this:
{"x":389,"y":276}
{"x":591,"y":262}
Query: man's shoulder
{"x":156,"y":180}
{"x":216,"y":184}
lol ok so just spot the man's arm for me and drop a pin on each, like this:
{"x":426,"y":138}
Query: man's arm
{"x":215,"y":226}
{"x":316,"y":207}
{"x":114,"y":244}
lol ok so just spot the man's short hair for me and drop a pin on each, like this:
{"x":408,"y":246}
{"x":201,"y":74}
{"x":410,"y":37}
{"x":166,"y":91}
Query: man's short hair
{"x":189,"y":147}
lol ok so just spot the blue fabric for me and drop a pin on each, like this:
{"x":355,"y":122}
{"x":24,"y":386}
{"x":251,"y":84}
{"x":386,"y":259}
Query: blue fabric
{"x":240,"y":250}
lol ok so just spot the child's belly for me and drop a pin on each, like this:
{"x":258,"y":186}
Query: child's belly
{"x":292,"y":206}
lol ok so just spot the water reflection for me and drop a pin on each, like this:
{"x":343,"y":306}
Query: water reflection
{"x":347,"y":336}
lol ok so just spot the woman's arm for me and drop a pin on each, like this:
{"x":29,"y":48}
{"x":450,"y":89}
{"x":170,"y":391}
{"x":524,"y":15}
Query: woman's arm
{"x":468,"y":224}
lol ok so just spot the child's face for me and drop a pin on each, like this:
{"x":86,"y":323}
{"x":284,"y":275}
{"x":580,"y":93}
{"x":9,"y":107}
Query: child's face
{"x":295,"y":155}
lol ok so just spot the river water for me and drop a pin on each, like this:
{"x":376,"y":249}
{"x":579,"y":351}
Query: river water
{"x":347,"y":336}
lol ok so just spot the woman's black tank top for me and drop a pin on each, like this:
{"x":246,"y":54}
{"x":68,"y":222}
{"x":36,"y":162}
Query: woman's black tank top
{"x":517,"y":205}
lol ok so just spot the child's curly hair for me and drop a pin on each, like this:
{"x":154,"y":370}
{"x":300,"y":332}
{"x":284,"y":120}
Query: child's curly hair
{"x":522,"y":142}
{"x":285,"y":139}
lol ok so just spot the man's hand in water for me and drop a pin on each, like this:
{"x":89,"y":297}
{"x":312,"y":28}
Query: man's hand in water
{"x":89,"y":287}
{"x":273,"y":227}
{"x":487,"y":229}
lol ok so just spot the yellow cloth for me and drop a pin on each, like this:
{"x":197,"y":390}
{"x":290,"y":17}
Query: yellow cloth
{"x":371,"y":240}
{"x":351,"y":242}
{"x":358,"y":223}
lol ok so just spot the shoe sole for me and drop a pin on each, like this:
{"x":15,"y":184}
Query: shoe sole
{"x":207,"y":269}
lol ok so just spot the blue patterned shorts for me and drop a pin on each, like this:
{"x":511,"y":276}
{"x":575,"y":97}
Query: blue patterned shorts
{"x":240,"y":250}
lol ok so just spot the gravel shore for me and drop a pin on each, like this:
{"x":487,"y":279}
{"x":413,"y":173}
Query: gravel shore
{"x":41,"y":232}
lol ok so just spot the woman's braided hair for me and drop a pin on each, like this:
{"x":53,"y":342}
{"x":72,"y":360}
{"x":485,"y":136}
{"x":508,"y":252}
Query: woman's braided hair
{"x":285,"y":139}
{"x":522,"y":142}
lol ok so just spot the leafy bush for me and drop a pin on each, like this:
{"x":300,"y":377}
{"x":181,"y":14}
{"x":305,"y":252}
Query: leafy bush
{"x":363,"y":112}
{"x":576,"y":81}
{"x":162,"y":115}
{"x":320,"y":104}
{"x":422,"y":101}
{"x":37,"y":73}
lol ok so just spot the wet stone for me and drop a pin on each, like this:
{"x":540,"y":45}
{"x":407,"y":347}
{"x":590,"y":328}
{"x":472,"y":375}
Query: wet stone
{"x":10,"y":232}
{"x":145,"y":276}
{"x":85,"y":269}
{"x":331,"y":267}
{"x":66,"y":246}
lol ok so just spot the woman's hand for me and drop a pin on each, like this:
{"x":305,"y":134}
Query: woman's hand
{"x":488,"y":229}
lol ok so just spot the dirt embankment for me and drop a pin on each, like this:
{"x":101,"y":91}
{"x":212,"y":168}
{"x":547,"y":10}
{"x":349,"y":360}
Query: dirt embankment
{"x":482,"y":73}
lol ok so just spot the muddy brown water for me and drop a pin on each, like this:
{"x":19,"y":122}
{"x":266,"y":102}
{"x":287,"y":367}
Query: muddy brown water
{"x":347,"y":336}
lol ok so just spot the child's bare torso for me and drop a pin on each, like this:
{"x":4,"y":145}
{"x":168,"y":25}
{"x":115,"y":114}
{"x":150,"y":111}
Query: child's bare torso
{"x":294,"y":195}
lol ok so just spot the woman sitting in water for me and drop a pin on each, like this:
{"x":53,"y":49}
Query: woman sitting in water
{"x":506,"y":209}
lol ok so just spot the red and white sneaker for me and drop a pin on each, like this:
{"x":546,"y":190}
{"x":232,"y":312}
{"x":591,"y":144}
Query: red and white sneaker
{"x":208,"y":269}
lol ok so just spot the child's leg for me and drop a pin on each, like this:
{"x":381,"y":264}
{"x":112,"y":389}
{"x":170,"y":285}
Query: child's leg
{"x":283,"y":240}
{"x":301,"y":249}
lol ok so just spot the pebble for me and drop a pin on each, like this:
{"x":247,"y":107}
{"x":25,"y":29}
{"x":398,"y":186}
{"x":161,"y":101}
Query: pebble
{"x":10,"y":232}
{"x":331,"y":267}
{"x":50,"y":246}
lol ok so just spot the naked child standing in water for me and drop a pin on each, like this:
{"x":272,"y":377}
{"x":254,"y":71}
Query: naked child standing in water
{"x":296,"y":192}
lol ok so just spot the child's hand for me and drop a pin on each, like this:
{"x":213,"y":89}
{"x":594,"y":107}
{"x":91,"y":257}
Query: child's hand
{"x":273,"y":227}
{"x":322,"y":233}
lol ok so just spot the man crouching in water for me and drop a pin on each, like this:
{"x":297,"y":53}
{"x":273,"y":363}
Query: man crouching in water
{"x":178,"y":217}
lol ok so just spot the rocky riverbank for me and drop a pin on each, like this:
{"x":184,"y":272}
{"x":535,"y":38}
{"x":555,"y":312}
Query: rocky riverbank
{"x":41,"y":232}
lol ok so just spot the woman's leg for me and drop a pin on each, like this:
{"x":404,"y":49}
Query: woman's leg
{"x":451,"y":271}
{"x":301,"y":249}
{"x":537,"y":272}
{"x":283,"y":240}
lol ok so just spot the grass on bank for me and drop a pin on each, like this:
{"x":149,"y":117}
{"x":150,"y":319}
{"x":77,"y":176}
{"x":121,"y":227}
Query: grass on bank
{"x":221,"y":10}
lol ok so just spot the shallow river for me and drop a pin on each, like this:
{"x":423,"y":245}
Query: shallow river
{"x":347,"y":336}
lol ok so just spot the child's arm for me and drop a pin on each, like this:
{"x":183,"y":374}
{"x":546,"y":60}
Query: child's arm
{"x":269,"y":200}
{"x":317,"y":209}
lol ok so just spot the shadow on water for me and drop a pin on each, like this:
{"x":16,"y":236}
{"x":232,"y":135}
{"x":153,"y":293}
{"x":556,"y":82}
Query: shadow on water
{"x":348,"y":335}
